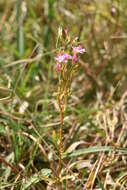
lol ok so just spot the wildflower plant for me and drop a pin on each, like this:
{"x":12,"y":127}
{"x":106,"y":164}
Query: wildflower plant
{"x":67,"y":64}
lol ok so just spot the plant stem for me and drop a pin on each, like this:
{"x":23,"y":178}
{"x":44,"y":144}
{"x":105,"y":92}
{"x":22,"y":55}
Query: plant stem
{"x":61,"y":136}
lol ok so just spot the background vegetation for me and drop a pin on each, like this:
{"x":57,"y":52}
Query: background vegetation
{"x":95,"y":123}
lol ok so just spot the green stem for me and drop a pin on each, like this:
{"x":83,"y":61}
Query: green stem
{"x":61,"y":137}
{"x":20,"y":32}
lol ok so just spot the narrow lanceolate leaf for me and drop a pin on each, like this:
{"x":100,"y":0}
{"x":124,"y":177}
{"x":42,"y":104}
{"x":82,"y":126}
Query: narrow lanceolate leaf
{"x":35,"y":178}
{"x":20,"y":32}
{"x":95,"y":149}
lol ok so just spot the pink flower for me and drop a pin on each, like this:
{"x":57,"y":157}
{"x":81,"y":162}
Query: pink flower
{"x":77,"y":50}
{"x":63,"y":57}
{"x":58,"y":67}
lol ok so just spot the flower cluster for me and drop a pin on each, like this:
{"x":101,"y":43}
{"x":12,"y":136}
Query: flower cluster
{"x":67,"y":63}
{"x":64,"y":57}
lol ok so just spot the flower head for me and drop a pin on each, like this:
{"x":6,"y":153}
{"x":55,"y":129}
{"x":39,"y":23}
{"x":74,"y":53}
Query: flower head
{"x":78,"y":49}
{"x":63,"y":57}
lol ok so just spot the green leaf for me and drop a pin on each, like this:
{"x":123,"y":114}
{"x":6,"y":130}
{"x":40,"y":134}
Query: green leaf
{"x":95,"y":149}
{"x":20,"y":32}
{"x":35,"y":178}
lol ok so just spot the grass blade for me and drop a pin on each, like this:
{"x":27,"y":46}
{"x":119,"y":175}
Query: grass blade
{"x":95,"y":149}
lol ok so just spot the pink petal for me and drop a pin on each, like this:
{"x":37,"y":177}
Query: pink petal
{"x":63,"y":57}
{"x":58,"y":67}
{"x":75,"y":58}
{"x":78,"y":49}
